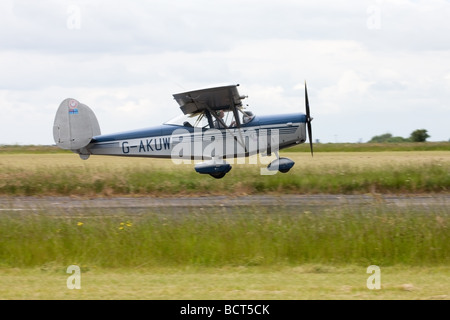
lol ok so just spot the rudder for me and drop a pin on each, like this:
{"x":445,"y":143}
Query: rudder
{"x":74,"y":126}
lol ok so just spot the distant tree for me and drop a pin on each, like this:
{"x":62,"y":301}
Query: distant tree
{"x":387,"y":137}
{"x":419,"y":135}
{"x":398,"y":139}
{"x":380,"y":138}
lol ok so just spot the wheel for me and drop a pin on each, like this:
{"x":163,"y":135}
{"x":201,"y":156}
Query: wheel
{"x":218,"y":175}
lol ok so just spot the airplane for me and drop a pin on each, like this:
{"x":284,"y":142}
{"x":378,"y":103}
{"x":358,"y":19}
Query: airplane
{"x":214,"y":126}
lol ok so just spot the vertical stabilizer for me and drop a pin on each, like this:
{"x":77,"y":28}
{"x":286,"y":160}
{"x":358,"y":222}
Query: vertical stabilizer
{"x":75,"y":125}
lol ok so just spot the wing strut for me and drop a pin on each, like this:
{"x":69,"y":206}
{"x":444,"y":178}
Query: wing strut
{"x":238,"y":124}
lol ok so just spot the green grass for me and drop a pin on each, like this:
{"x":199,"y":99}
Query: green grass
{"x":214,"y":238}
{"x":248,"y":253}
{"x":336,"y":173}
{"x":318,"y":282}
{"x":372,"y":147}
{"x":30,"y":149}
{"x":318,"y":147}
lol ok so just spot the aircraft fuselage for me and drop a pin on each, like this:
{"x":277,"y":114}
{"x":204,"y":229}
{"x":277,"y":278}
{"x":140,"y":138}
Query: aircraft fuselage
{"x":262,"y":134}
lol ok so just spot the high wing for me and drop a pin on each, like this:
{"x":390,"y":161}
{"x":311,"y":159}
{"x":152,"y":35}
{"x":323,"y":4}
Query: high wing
{"x":209,"y":100}
{"x":218,"y":98}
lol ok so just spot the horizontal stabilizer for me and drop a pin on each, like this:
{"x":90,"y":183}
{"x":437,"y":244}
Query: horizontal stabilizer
{"x":75,"y":125}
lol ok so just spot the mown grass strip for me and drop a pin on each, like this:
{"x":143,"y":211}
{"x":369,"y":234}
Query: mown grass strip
{"x":305,"y":282}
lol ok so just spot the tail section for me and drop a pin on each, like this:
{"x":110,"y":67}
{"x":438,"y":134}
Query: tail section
{"x":75,"y":125}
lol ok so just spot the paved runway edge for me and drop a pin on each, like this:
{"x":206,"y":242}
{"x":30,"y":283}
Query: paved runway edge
{"x":323,"y":200}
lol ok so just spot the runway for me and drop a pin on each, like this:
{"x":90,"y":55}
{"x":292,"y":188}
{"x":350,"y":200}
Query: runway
{"x":180,"y":204}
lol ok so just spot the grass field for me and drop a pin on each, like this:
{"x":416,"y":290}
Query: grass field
{"x":318,"y":147}
{"x":250,"y":253}
{"x":250,"y":236}
{"x":326,"y":172}
{"x":229,"y":283}
{"x":254,"y":253}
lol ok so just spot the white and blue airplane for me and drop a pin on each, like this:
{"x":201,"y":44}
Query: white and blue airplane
{"x":213,"y":126}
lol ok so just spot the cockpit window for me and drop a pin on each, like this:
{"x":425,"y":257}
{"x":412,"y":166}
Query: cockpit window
{"x":188,"y":120}
{"x":247,"y":117}
{"x":200,"y":120}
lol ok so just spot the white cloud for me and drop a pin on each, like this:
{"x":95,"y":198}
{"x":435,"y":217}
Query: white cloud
{"x":348,"y":94}
{"x":128,"y":58}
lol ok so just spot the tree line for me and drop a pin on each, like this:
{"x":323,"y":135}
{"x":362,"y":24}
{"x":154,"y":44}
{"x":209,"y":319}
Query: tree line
{"x":419,"y":135}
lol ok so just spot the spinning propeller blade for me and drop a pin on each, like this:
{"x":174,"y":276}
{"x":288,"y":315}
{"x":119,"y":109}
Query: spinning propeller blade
{"x":308,"y":120}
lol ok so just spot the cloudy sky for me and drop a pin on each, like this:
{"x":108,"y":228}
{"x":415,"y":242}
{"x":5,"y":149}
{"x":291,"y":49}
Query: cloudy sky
{"x":371,"y":66}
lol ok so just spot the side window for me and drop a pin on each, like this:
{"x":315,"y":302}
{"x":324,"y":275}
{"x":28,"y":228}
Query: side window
{"x":247,"y":117}
{"x":227,"y":118}
{"x":201,"y":121}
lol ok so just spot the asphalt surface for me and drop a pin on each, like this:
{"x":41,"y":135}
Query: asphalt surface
{"x":298,"y":203}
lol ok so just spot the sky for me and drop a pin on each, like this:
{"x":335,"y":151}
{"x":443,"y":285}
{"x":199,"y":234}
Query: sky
{"x":371,"y":66}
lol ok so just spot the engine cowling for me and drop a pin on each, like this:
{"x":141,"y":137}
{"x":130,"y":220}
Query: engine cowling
{"x":281,"y":164}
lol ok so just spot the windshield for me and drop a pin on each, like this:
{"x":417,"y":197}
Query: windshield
{"x":189,"y":120}
{"x":200,"y":120}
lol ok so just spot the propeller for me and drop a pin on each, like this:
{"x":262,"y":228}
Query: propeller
{"x":308,"y":120}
